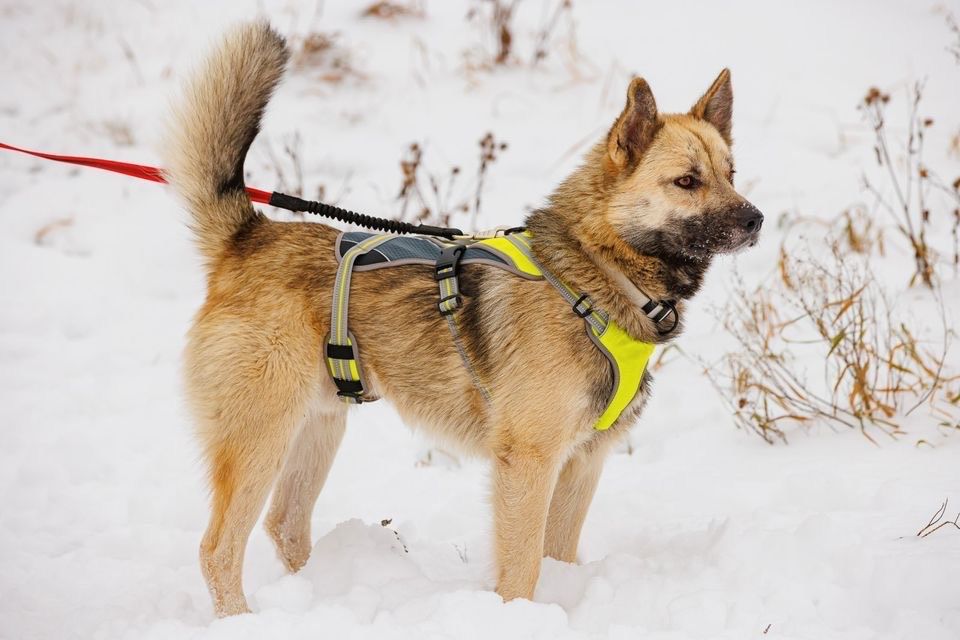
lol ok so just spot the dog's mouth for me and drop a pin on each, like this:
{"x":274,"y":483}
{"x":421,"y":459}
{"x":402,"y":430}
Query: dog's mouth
{"x":700,"y":237}
{"x":746,"y":240}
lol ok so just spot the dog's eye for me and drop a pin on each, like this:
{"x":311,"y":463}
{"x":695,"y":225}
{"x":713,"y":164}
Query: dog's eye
{"x":686,"y":182}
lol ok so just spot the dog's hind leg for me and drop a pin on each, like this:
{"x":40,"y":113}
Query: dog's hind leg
{"x":571,"y":500}
{"x":242,"y":470}
{"x":300,"y":483}
{"x":251,"y":389}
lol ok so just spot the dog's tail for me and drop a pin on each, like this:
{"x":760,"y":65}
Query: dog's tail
{"x":213,"y":128}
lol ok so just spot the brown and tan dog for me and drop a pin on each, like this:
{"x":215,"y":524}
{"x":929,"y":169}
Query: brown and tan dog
{"x":649,"y":207}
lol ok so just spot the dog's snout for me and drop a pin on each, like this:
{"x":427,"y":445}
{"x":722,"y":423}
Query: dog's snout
{"x":749,"y":217}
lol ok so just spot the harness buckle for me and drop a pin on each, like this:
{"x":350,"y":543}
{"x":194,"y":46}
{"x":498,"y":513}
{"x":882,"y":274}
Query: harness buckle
{"x":350,"y":397}
{"x":448,"y":263}
{"x":583,"y":307}
{"x":449,"y":304}
{"x":445,"y":272}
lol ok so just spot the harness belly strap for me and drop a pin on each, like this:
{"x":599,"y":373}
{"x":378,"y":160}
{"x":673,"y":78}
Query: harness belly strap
{"x":343,"y":362}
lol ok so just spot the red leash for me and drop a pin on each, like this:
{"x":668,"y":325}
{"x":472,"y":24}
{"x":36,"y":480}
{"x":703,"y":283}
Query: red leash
{"x":274,"y":199}
{"x":141,"y":171}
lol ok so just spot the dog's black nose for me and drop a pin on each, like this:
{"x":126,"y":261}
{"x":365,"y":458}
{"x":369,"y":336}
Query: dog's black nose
{"x":749,"y":217}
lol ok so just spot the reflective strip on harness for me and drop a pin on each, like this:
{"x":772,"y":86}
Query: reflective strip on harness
{"x":341,"y":346}
{"x":628,"y":356}
{"x":581,"y":303}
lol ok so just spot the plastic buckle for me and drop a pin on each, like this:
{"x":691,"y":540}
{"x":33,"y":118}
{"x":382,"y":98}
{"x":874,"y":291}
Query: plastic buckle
{"x":448,"y":310}
{"x":587,"y":309}
{"x":448,"y":262}
{"x":351,"y":397}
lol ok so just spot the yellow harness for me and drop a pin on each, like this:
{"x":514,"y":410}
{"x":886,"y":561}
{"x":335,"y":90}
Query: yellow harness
{"x":628,"y":356}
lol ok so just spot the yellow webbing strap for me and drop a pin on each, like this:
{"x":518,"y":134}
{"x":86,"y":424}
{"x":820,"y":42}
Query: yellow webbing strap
{"x":629,"y":358}
{"x":519,"y":259}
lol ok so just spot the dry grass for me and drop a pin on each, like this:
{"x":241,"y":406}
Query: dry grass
{"x":436,"y":198}
{"x":118,"y":132}
{"x":548,"y":37}
{"x":912,"y":182}
{"x":502,"y":41}
{"x":495,"y":21}
{"x":325,"y":57}
{"x":954,"y":46}
{"x":829,"y":312}
{"x":42,"y":235}
{"x":937,"y":522}
{"x":287,"y":165}
{"x":824,"y":310}
{"x":387,"y":10}
{"x":285,"y":159}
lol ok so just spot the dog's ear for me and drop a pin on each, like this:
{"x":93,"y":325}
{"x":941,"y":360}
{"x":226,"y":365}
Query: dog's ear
{"x":634,"y":130}
{"x":716,"y":105}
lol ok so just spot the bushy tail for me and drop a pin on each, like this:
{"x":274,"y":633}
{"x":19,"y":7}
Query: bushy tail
{"x":213,"y":128}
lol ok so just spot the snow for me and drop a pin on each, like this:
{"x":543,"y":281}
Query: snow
{"x":698,"y":531}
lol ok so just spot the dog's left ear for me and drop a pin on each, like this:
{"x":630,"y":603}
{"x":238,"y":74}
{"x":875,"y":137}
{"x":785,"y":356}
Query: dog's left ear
{"x":716,"y":105}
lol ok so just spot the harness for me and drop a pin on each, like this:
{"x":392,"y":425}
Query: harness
{"x":446,"y":249}
{"x":507,"y":249}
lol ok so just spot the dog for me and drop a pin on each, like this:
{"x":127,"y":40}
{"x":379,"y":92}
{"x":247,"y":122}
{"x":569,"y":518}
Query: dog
{"x":649,"y":207}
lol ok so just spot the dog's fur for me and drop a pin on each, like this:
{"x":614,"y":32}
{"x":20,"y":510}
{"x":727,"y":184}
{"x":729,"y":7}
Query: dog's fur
{"x":267,"y":412}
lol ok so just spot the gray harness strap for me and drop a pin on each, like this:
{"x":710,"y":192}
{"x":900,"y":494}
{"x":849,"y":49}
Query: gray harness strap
{"x":582,"y":304}
{"x":447,"y":272}
{"x":657,"y":311}
{"x":342,"y":352}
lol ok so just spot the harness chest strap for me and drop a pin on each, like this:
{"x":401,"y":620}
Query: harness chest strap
{"x":628,"y":356}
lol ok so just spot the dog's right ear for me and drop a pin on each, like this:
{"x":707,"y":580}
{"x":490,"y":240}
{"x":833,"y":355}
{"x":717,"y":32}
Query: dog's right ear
{"x":634,"y":130}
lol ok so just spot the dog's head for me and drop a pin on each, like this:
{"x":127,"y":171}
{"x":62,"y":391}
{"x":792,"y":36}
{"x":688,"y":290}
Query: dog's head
{"x":671,"y":177}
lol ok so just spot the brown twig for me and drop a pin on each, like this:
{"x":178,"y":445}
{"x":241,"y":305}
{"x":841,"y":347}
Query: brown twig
{"x":437,"y":198}
{"x":936,"y":522}
{"x":910,"y":185}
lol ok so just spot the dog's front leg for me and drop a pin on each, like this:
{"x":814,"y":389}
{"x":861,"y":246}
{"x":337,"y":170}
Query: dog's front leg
{"x":524,"y":477}
{"x":571,"y":501}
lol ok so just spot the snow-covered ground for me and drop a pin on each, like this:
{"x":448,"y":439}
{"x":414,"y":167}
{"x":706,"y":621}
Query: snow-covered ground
{"x":701,"y":531}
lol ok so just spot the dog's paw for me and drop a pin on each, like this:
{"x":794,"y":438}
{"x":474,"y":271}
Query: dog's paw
{"x":293,"y":548}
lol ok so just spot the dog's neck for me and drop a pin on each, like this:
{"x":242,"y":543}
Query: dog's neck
{"x":618,"y":278}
